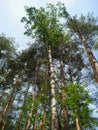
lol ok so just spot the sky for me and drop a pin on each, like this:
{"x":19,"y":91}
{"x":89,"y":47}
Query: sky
{"x":11,"y":12}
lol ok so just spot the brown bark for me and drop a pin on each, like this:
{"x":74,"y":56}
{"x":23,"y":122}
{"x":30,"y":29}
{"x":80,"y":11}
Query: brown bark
{"x":3,"y":127}
{"x":70,"y":73}
{"x":77,"y":123}
{"x":22,"y":112}
{"x":33,"y":98}
{"x":44,"y":118}
{"x":91,"y":57}
{"x":2,"y":95}
{"x":9,"y":101}
{"x":76,"y":119}
{"x":65,"y":113}
{"x":54,"y":118}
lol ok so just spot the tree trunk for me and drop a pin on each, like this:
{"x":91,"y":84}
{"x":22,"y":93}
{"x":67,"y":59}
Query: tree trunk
{"x":21,"y":113}
{"x":3,"y":127}
{"x":9,"y":101}
{"x":28,"y":122}
{"x":33,"y":98}
{"x":54,"y":118}
{"x":44,"y":118}
{"x":65,"y":113}
{"x":77,"y":123}
{"x":2,"y":95}
{"x":77,"y":120}
{"x":91,"y":57}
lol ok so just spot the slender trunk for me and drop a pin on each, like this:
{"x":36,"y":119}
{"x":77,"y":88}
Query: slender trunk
{"x":28,"y":122}
{"x":76,"y":120}
{"x":9,"y":102}
{"x":2,"y":95}
{"x":22,"y":112}
{"x":40,"y":125}
{"x":77,"y":123}
{"x":65,"y":113}
{"x":3,"y":127}
{"x":35,"y":124}
{"x":33,"y":98}
{"x":44,"y":118}
{"x":91,"y":57}
{"x":30,"y":115}
{"x":54,"y":118}
{"x":70,"y":73}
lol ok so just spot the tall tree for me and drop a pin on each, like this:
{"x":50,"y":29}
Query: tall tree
{"x":47,"y":30}
{"x":7,"y":54}
{"x":86,"y":27}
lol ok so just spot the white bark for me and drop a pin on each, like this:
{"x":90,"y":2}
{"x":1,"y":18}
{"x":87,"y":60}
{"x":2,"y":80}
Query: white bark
{"x":54,"y":118}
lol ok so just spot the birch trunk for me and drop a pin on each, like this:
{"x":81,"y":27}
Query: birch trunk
{"x":54,"y":118}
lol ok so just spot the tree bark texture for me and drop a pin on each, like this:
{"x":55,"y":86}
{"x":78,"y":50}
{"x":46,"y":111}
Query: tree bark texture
{"x":10,"y":99}
{"x":65,"y":113}
{"x":77,"y":123}
{"x":91,"y":57}
{"x":33,"y":98}
{"x":54,"y":118}
{"x":21,"y":113}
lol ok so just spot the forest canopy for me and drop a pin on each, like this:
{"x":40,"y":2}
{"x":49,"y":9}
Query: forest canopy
{"x":46,"y":86}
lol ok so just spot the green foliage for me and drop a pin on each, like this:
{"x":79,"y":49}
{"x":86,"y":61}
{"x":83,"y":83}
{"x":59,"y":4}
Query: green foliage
{"x":44,"y":25}
{"x":87,"y":25}
{"x":77,"y":101}
{"x":7,"y":48}
{"x":96,"y":46}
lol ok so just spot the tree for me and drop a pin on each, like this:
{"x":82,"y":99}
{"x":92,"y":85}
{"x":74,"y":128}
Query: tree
{"x":78,"y":101}
{"x":48,"y":31}
{"x":86,"y":28}
{"x":7,"y":53}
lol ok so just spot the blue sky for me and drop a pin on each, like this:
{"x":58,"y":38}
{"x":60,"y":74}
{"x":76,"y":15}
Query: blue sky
{"x":11,"y":12}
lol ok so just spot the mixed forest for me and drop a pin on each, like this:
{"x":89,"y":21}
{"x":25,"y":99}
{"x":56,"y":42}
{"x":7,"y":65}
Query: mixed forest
{"x":46,"y":86}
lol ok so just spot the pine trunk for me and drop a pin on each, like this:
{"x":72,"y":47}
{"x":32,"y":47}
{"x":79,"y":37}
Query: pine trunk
{"x":77,"y":123}
{"x":77,"y":120}
{"x":33,"y":98}
{"x":65,"y":113}
{"x":21,"y":114}
{"x":91,"y":57}
{"x":9,"y":102}
{"x":3,"y":127}
{"x":54,"y":118}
